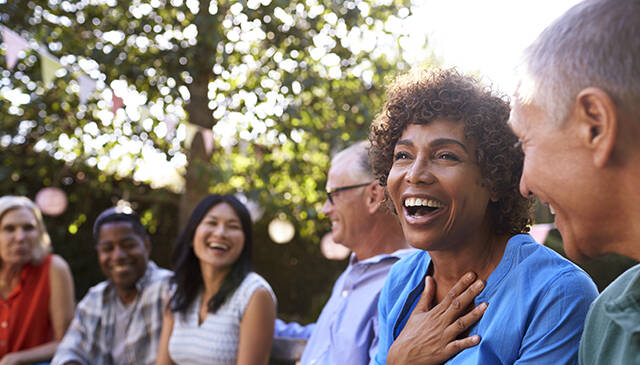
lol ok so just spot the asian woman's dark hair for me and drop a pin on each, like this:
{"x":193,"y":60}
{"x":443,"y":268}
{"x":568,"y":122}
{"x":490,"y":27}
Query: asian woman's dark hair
{"x":187,"y":276}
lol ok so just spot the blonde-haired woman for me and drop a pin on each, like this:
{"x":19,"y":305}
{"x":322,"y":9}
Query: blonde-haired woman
{"x":36,"y":287}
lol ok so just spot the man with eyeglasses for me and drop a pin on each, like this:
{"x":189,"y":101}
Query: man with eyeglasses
{"x":347,"y":330}
{"x":119,"y":320}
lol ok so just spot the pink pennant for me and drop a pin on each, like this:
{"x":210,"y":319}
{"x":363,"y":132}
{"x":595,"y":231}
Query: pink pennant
{"x":15,"y":44}
{"x":117,"y":102}
{"x":207,"y":138}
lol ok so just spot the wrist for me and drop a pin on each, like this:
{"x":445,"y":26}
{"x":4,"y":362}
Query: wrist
{"x":394,"y":355}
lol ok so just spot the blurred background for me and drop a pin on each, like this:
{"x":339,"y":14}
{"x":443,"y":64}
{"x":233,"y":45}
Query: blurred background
{"x":154,"y":104}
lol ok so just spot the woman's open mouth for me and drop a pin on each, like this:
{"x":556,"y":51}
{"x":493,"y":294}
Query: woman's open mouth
{"x":421,"y":207}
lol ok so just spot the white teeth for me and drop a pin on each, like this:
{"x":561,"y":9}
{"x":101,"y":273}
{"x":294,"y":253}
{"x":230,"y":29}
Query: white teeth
{"x":121,"y":267}
{"x":417,"y":202}
{"x":553,"y":211}
{"x":334,"y":223}
{"x":217,"y":245}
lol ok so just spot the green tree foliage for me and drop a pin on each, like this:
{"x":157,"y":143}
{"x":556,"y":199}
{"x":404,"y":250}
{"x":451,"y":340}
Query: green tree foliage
{"x":282,"y":83}
{"x":89,"y":192}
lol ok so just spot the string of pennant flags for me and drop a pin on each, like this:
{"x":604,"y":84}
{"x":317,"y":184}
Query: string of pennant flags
{"x":15,"y":44}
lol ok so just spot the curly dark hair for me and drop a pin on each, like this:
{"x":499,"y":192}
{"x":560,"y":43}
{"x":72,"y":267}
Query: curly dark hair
{"x":421,"y":96}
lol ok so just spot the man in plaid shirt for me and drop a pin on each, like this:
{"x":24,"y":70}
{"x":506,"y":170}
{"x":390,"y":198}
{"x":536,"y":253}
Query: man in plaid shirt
{"x":119,"y":320}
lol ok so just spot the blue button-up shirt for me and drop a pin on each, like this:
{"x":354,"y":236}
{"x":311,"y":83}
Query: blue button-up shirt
{"x":538,"y":302}
{"x":347,"y":330}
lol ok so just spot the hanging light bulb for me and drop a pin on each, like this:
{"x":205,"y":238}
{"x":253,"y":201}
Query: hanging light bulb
{"x":281,"y":230}
{"x":332,"y":250}
{"x":51,"y":201}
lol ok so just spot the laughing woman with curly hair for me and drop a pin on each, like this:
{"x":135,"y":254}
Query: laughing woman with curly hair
{"x":480,"y":290}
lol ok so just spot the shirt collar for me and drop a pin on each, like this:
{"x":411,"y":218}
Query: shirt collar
{"x":398,"y":254}
{"x":624,"y":310}
{"x":144,"y":280}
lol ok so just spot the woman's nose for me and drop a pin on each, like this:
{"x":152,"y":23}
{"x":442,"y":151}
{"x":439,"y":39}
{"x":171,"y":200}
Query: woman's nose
{"x":420,"y":172}
{"x":219,"y":230}
{"x":20,"y":234}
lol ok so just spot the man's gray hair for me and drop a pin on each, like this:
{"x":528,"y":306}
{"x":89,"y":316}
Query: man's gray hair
{"x":595,"y":43}
{"x":362,"y":167}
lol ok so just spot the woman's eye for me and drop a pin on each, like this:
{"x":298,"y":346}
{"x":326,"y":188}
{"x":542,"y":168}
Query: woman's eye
{"x":448,"y":156}
{"x":400,"y":156}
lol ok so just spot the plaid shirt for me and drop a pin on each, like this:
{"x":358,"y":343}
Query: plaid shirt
{"x":89,"y":339}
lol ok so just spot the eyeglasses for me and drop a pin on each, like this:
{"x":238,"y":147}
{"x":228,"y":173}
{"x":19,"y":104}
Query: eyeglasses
{"x":343,"y":188}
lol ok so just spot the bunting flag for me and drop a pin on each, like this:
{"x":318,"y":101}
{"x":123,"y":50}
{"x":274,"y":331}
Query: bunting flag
{"x":87,"y":85}
{"x":144,"y":112}
{"x":191,"y":131}
{"x":539,"y":232}
{"x":117,"y":102}
{"x":49,"y":68}
{"x":170,"y":121}
{"x":15,"y":44}
{"x":207,"y":138}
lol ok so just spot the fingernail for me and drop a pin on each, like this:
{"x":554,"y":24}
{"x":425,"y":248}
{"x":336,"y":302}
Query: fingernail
{"x":469,"y":276}
{"x":484,"y":305}
{"x":478,"y":284}
{"x":475,"y":339}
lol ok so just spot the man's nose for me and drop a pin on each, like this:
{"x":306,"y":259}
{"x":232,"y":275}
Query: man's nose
{"x":524,"y":189}
{"x":118,"y":252}
{"x":327,"y":207}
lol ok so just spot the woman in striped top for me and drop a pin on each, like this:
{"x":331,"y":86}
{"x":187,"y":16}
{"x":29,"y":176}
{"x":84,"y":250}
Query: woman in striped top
{"x":220,"y":312}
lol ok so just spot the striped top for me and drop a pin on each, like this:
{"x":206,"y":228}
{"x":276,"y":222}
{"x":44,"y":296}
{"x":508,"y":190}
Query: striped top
{"x":215,"y":341}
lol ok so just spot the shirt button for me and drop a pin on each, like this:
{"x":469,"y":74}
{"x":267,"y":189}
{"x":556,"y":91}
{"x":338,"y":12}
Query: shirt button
{"x":3,"y":324}
{"x":345,"y":293}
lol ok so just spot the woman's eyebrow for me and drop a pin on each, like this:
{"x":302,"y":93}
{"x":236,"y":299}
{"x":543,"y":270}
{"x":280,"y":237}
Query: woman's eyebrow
{"x":445,"y":141}
{"x":404,"y":142}
{"x":436,"y":143}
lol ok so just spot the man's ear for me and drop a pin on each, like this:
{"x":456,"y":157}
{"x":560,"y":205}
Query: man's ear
{"x":598,"y":121}
{"x":375,"y":198}
{"x":147,"y":243}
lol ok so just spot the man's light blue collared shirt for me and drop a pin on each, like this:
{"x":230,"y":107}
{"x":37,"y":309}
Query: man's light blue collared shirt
{"x":347,"y":330}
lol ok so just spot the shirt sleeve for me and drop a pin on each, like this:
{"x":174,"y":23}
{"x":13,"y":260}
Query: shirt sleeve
{"x":384,"y":339}
{"x":75,"y":345}
{"x":249,"y":285}
{"x":293,"y":329}
{"x":556,"y":326}
{"x":373,"y":348}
